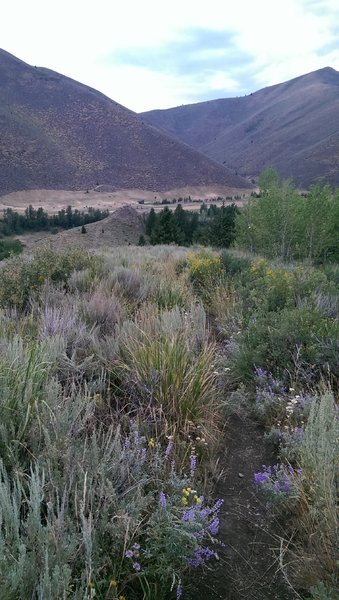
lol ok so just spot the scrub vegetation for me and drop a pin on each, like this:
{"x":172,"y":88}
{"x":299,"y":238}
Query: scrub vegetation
{"x":118,"y":370}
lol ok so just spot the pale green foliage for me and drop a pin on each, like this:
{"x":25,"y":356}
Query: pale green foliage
{"x":316,"y":546}
{"x":283,"y":224}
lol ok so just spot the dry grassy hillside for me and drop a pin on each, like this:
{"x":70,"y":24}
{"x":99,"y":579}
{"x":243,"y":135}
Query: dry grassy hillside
{"x":292,"y":126}
{"x":56,"y":133}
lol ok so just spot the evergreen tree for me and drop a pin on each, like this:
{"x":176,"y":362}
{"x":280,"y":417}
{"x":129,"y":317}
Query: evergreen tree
{"x":150,"y":222}
{"x":222,"y":227}
{"x":166,"y":230}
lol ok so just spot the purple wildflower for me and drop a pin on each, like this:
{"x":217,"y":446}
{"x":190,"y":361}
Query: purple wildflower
{"x":188,"y":515}
{"x":217,"y":506}
{"x":193,"y":464}
{"x":179,"y":591}
{"x":129,"y":554}
{"x":168,"y":449}
{"x":213,"y":527}
{"x":286,"y":485}
{"x":162,"y":500}
{"x":201,"y":556}
{"x":261,"y":478}
{"x":136,"y":566}
{"x":260,"y":372}
{"x":136,"y":546}
{"x":204,"y":512}
{"x":276,"y":486}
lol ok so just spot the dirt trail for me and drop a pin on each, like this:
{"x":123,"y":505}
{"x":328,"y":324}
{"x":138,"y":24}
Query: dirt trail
{"x":247,"y":567}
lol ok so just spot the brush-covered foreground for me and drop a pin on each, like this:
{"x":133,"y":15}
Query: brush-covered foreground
{"x":113,"y":391}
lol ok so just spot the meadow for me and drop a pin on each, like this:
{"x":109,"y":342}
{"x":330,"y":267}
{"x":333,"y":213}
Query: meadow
{"x":118,"y":371}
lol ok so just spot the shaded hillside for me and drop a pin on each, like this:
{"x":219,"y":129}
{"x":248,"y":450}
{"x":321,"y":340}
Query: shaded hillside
{"x":292,"y":126}
{"x":56,"y":133}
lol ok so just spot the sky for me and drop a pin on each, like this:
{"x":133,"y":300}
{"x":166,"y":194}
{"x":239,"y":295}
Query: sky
{"x":150,"y":54}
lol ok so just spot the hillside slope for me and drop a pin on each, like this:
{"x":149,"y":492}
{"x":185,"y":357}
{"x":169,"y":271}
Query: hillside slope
{"x":293,"y":126}
{"x":56,"y":133}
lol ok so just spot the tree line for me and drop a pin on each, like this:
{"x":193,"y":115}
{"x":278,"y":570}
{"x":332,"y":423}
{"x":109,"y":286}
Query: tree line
{"x":278,"y":222}
{"x":39,"y":220}
{"x":213,"y":225}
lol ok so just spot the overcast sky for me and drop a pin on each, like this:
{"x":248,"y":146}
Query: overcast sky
{"x":150,"y":54}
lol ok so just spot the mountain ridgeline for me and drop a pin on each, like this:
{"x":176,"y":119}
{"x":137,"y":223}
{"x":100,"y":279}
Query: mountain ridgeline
{"x":56,"y":133}
{"x":292,"y":126}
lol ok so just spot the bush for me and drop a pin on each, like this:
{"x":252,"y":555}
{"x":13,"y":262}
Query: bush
{"x":317,"y":522}
{"x":233,"y":263}
{"x":293,"y":344}
{"x":22,"y":278}
{"x":9,"y":247}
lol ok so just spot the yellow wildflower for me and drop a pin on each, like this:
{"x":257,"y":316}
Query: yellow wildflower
{"x":151,"y":443}
{"x":113,"y":583}
{"x":184,"y":501}
{"x":122,"y":598}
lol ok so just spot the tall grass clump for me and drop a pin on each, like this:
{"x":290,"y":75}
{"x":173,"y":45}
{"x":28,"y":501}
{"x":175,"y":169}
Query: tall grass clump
{"x":169,"y":361}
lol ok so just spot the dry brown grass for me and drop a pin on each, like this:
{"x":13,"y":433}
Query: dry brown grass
{"x":54,"y":200}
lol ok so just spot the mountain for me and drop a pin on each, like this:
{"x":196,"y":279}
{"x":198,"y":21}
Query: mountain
{"x":56,"y":133}
{"x":293,"y":126}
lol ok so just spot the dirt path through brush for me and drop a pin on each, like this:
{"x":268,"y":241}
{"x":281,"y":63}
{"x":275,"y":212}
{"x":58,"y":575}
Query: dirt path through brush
{"x":247,"y":566}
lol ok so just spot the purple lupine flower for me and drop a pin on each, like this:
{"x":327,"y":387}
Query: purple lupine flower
{"x":261,"y":478}
{"x":201,"y":556}
{"x":204,"y":512}
{"x":179,"y":591}
{"x":217,"y":506}
{"x":213,"y":527}
{"x":129,"y":554}
{"x":136,"y":566}
{"x":136,"y":546}
{"x":188,"y":515}
{"x":162,"y":500}
{"x":277,"y":486}
{"x":168,"y":449}
{"x":143,"y":455}
{"x":127,"y":443}
{"x":286,"y":485}
{"x":193,"y":464}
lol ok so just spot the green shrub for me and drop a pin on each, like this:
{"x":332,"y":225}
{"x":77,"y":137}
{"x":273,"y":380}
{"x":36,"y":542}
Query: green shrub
{"x":233,"y":263}
{"x":22,"y":278}
{"x":293,"y":344}
{"x":9,"y":247}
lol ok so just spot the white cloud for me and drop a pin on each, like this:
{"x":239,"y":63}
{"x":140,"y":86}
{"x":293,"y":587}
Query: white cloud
{"x":81,"y":39}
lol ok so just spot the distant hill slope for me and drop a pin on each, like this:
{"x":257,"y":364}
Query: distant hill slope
{"x":56,"y":133}
{"x":293,"y":126}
